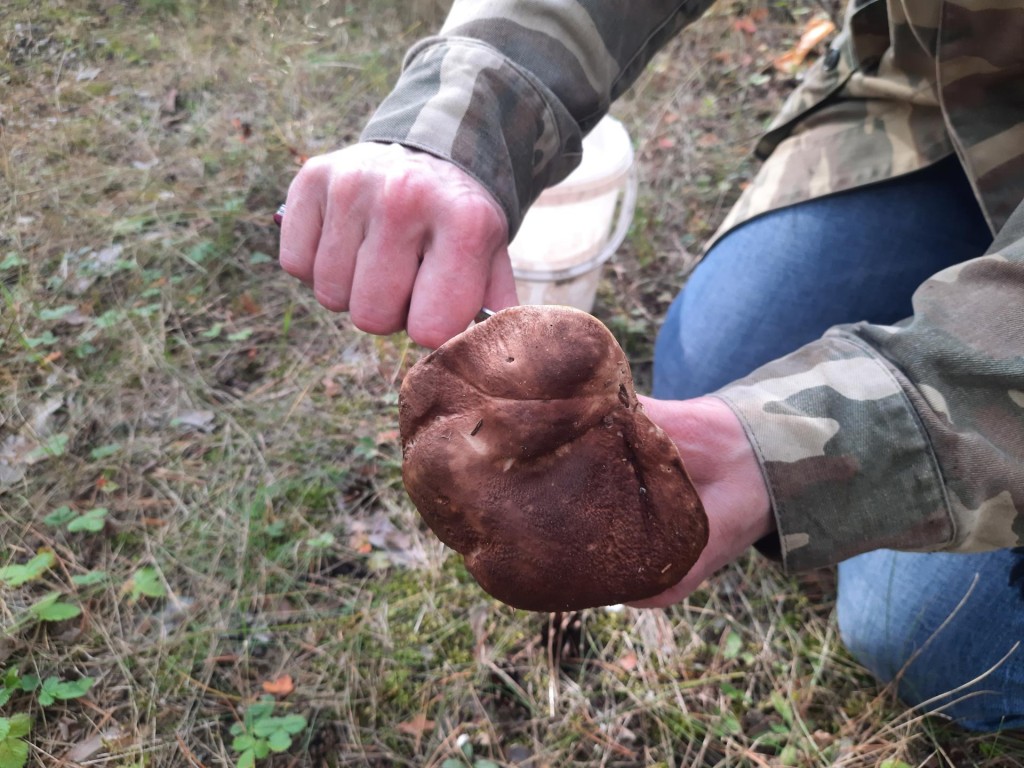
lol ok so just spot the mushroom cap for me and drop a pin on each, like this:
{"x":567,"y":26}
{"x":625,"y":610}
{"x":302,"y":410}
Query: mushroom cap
{"x":525,"y":449}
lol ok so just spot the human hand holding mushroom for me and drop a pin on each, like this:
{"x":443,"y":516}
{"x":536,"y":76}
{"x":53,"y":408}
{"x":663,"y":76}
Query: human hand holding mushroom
{"x":526,"y":449}
{"x":721,"y":463}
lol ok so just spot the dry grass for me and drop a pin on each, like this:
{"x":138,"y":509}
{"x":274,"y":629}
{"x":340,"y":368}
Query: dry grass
{"x":155,"y":363}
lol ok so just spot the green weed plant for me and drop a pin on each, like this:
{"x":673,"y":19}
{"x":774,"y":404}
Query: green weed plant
{"x":261,"y":732}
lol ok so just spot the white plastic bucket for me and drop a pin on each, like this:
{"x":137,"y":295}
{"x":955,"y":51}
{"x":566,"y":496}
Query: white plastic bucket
{"x":575,"y":226}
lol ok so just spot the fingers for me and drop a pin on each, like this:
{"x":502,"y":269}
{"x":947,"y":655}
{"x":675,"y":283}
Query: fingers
{"x":301,"y":227}
{"x":386,"y":266}
{"x":340,"y":237}
{"x":399,"y":239}
{"x":465,"y":265}
{"x":723,"y":466}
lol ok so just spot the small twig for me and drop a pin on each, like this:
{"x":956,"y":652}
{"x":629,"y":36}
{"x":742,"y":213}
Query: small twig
{"x":189,"y":755}
{"x":227,"y":697}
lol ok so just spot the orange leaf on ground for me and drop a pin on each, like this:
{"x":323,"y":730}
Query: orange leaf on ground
{"x":416,"y":727}
{"x":248,"y":304}
{"x":628,"y":662}
{"x":280,"y":686}
{"x":816,"y":31}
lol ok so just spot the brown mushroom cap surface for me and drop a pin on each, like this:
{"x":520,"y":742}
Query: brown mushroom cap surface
{"x":525,"y":449}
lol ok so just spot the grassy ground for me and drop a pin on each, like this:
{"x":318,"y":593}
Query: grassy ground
{"x":200,"y":492}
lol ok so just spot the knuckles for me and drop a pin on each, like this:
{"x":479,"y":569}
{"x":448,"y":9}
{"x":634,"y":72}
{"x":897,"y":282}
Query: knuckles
{"x":395,"y":189}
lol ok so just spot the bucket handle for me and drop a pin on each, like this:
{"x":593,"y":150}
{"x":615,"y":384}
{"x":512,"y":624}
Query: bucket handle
{"x":627,"y":206}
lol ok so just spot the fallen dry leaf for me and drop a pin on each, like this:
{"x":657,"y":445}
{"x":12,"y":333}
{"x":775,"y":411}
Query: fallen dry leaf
{"x":378,"y":533}
{"x":416,"y":727}
{"x":87,"y":73}
{"x":816,"y":31}
{"x":248,"y":304}
{"x":169,"y":104}
{"x":83,"y":750}
{"x":171,"y":111}
{"x":21,"y":450}
{"x":200,"y":420}
{"x":331,"y":387}
{"x":279,"y":686}
{"x":81,"y":268}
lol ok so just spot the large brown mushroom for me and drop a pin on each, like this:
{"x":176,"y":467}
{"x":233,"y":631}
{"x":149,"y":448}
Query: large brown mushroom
{"x":526,"y":450}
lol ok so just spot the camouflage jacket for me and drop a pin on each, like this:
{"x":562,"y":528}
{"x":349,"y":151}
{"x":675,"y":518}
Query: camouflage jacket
{"x":910,"y":436}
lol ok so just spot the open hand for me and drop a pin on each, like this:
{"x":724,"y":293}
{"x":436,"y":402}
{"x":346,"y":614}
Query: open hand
{"x":721,"y":462}
{"x":399,"y":239}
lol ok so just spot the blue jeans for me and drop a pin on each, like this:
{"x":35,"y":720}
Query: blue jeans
{"x":779,"y":281}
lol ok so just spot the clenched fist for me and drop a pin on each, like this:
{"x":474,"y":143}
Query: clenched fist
{"x":398,"y":239}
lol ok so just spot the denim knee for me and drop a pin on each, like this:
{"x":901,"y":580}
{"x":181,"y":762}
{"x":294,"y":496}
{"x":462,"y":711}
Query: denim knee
{"x":947,"y":628}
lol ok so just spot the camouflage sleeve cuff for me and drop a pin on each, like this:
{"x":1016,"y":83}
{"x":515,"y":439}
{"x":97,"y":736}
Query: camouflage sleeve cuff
{"x":848,"y":463}
{"x":909,"y":436}
{"x":462,"y":100}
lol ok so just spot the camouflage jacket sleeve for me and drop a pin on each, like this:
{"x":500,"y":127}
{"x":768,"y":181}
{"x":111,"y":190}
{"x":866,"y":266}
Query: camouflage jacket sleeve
{"x":908,"y":437}
{"x":508,"y":87}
